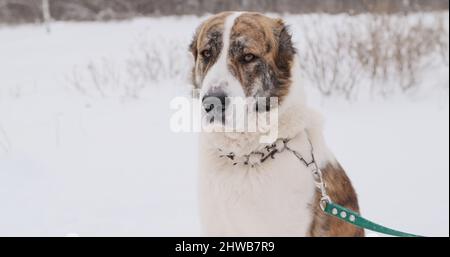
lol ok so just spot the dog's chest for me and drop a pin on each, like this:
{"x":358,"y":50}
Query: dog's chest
{"x":272,"y":199}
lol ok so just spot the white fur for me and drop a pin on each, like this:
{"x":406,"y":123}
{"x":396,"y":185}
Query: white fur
{"x":272,"y":199}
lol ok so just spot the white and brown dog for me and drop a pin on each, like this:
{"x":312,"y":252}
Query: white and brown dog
{"x":251,"y":55}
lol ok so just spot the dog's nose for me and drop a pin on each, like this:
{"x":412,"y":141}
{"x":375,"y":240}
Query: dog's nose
{"x":214,"y":100}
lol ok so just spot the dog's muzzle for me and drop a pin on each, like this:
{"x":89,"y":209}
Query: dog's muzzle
{"x":215,"y":103}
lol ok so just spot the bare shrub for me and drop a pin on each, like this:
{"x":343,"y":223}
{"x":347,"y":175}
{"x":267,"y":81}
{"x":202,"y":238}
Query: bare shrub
{"x":401,"y":47}
{"x":148,"y":64}
{"x":391,"y":51}
{"x":97,"y":78}
{"x":5,"y":143}
{"x":329,"y":60}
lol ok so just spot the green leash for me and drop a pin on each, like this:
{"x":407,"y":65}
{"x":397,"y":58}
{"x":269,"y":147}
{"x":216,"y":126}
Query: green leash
{"x":339,"y":211}
{"x":355,"y":219}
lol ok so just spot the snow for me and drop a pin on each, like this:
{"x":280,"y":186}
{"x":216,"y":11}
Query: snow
{"x":75,"y":163}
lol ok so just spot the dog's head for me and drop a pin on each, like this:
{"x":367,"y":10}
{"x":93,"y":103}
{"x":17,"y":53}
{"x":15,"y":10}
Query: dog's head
{"x":246,"y":55}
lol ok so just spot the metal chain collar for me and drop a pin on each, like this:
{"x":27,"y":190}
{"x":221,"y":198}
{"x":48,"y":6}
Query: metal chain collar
{"x":257,"y":157}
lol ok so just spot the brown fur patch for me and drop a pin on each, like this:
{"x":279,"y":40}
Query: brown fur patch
{"x":269,"y":40}
{"x":207,"y":37}
{"x":341,"y":191}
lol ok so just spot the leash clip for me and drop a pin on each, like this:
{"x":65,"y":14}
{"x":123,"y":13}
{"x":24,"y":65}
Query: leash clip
{"x":324,"y":201}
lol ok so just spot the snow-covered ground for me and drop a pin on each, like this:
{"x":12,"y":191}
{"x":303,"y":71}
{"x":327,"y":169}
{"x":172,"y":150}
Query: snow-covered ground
{"x":98,"y":158}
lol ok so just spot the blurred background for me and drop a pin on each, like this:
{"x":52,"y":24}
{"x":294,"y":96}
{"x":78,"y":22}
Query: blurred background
{"x":18,"y":11}
{"x":85,"y":89}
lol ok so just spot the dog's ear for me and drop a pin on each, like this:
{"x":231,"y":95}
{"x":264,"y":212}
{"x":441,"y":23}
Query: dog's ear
{"x":193,"y":45}
{"x":286,"y":51}
{"x":194,"y":51}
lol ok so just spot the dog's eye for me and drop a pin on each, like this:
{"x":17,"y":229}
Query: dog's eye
{"x":248,"y":58}
{"x":206,"y":53}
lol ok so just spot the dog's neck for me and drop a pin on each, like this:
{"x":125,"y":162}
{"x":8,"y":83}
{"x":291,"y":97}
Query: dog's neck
{"x":294,"y":117}
{"x":291,"y":122}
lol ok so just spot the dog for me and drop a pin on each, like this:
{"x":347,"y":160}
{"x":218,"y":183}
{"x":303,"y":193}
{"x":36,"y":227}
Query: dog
{"x":250,"y":55}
